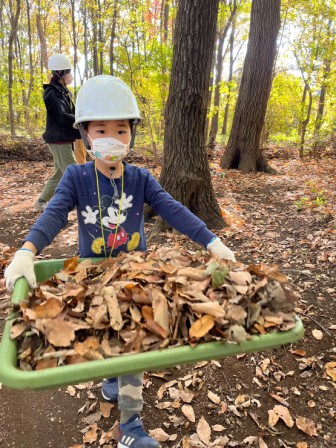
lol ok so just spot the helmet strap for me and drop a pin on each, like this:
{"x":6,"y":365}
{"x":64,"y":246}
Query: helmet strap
{"x":84,"y":137}
{"x":134,"y":126}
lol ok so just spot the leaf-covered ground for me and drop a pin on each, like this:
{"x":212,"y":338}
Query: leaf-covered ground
{"x":280,"y":398}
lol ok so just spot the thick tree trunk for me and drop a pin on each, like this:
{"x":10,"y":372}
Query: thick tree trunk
{"x":243,"y":150}
{"x":186,"y":174}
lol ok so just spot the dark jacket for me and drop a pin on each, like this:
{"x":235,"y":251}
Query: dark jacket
{"x":60,"y":114}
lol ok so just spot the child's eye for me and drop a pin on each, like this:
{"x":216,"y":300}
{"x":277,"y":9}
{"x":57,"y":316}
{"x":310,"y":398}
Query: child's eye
{"x":121,"y":132}
{"x":100,"y":131}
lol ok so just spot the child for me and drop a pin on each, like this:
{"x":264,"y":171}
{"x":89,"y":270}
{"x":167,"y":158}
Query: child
{"x":109,"y":196}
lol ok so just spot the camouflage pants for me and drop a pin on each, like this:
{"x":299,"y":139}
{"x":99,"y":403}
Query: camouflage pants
{"x":130,"y":392}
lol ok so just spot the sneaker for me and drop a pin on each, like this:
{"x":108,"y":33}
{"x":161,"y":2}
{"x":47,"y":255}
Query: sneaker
{"x":110,"y":389}
{"x":132,"y":435}
{"x":40,"y":205}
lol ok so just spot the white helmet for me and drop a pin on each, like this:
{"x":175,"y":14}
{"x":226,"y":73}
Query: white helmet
{"x":105,"y":97}
{"x":59,"y":62}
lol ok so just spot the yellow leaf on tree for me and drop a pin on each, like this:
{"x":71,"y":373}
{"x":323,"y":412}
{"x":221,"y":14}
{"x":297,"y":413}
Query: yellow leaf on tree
{"x":202,"y":326}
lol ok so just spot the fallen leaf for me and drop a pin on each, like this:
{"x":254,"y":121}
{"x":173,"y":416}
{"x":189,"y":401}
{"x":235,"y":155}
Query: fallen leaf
{"x":201,"y":326}
{"x":204,"y":430}
{"x":159,"y":434}
{"x":318,"y":335}
{"x":306,"y":425}
{"x":91,"y":436}
{"x":213,"y":397}
{"x":188,"y":412}
{"x":282,"y":412}
{"x":331,"y":370}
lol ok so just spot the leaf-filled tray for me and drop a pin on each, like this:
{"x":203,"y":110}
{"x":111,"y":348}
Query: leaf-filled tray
{"x":138,"y":312}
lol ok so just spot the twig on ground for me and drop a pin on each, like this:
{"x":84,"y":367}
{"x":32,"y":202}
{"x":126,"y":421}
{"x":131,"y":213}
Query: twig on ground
{"x":316,"y":322}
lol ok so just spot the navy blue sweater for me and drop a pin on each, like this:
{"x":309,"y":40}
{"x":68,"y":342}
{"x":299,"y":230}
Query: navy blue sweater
{"x":119,"y":224}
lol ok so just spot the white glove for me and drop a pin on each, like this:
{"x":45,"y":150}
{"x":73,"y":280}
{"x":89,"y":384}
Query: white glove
{"x":22,"y":265}
{"x":216,"y":247}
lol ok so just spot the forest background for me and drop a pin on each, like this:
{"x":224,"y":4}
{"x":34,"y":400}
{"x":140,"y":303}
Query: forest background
{"x":133,"y":40}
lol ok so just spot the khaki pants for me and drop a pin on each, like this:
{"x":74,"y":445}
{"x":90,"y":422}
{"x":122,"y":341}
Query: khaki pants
{"x":80,"y":151}
{"x":63,"y":156}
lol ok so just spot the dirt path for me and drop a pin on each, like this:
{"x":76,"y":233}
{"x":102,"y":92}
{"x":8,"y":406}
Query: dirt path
{"x":265,"y":227}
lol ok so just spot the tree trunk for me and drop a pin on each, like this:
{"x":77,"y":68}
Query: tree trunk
{"x":86,"y":46}
{"x":112,"y":37}
{"x":227,"y":103}
{"x":305,"y":122}
{"x":323,"y":91}
{"x":186,"y":174}
{"x":74,"y":42}
{"x":14,"y":18}
{"x":243,"y":150}
{"x":219,"y":70}
{"x":43,"y":41}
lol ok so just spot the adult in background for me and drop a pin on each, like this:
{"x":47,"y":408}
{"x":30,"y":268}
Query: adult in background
{"x":59,"y":134}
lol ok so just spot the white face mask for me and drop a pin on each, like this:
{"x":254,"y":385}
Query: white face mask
{"x":108,"y":149}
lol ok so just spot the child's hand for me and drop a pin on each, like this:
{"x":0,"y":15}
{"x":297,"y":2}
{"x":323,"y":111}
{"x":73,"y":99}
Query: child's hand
{"x":90,"y":216}
{"x":216,"y":247}
{"x":22,"y":265}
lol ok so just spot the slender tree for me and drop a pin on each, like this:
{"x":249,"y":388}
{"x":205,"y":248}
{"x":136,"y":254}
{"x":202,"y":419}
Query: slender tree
{"x":14,"y":20}
{"x":186,"y":174}
{"x":243,"y":150}
{"x":219,"y":68}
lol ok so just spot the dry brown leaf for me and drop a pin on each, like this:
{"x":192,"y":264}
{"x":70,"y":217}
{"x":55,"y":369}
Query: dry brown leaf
{"x":282,"y":412}
{"x":213,"y":397}
{"x":242,"y":278}
{"x":204,"y":431}
{"x":58,"y":332}
{"x":298,"y":352}
{"x":92,"y":418}
{"x":71,"y":263}
{"x":159,"y":434}
{"x":47,"y":310}
{"x":46,"y":363}
{"x":330,"y":368}
{"x":91,"y":436}
{"x":147,"y":312}
{"x":18,"y":329}
{"x":116,"y":320}
{"x":306,"y":425}
{"x":160,"y":310}
{"x":218,"y":428}
{"x":211,"y":308}
{"x":302,"y":445}
{"x":188,"y":412}
{"x":201,"y":326}
{"x":105,"y":409}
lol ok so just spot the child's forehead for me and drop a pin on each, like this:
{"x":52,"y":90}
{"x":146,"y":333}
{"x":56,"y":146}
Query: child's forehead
{"x":109,"y":123}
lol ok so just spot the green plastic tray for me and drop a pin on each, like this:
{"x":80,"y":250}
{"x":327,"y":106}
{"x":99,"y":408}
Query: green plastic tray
{"x":13,"y":377}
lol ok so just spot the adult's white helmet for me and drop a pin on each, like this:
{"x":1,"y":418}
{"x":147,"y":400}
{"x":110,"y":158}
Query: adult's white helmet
{"x":59,"y":62}
{"x":105,"y":97}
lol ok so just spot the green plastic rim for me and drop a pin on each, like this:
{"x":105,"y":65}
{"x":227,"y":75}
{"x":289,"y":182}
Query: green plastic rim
{"x":13,"y":377}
